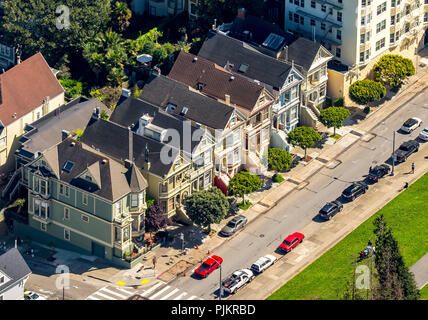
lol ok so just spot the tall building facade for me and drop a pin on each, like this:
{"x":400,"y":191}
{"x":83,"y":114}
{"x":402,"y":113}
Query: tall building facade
{"x":358,"y":32}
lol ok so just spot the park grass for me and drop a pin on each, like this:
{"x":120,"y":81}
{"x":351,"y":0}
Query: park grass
{"x":244,"y":206}
{"x":424,"y":293}
{"x":326,"y":278}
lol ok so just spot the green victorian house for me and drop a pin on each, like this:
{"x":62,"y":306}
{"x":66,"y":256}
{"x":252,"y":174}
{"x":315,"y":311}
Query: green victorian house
{"x":82,"y":200}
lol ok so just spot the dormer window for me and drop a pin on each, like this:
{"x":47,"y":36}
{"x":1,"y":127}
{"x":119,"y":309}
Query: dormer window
{"x":68,"y":166}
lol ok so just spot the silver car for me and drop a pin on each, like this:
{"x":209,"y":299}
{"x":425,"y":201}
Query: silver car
{"x":424,"y":134}
{"x":234,"y":225}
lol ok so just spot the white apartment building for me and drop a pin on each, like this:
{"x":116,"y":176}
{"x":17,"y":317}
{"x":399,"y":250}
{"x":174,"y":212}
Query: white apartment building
{"x":358,"y":32}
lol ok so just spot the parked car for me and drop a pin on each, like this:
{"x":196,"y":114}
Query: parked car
{"x":30,"y":295}
{"x":234,"y":225}
{"x":263,"y":263}
{"x":424,"y":134}
{"x":208,"y":266}
{"x":354,"y":190}
{"x":411,"y":124}
{"x":237,"y":280}
{"x":378,"y":172}
{"x":291,"y":241}
{"x":330,"y":209}
{"x":405,"y":150}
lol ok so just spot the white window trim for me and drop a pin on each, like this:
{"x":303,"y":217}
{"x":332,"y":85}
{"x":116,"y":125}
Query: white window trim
{"x":65,"y":217}
{"x":83,"y":216}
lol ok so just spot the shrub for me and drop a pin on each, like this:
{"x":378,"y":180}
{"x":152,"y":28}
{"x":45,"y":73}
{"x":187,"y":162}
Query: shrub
{"x":367,"y":110}
{"x":338,"y":102}
{"x":392,"y":69}
{"x":328,"y":103}
{"x":365,"y":91}
{"x":73,"y":88}
{"x":279,"y":159}
{"x":277,"y":178}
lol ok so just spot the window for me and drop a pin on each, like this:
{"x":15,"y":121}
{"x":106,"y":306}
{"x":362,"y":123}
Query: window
{"x":67,"y":234}
{"x":64,"y":190}
{"x":362,"y":56}
{"x":363,"y":20}
{"x":312,"y":22}
{"x":68,"y":166}
{"x":118,"y":208}
{"x":380,"y":26}
{"x":290,"y":16}
{"x":392,"y":20}
{"x":1,"y":279}
{"x":339,"y":16}
{"x":367,"y":54}
{"x":381,"y":8}
{"x":84,"y":198}
{"x":43,"y":226}
{"x":134,"y":200}
{"x":368,"y":36}
{"x":302,"y":20}
{"x":323,"y":8}
{"x":339,"y":35}
{"x":393,"y":3}
{"x":302,"y":3}
{"x":392,"y":37}
{"x":314,"y":5}
{"x":66,"y":214}
{"x":380,"y":44}
{"x":338,"y":52}
{"x":85,"y":218}
{"x":426,"y":15}
{"x":296,"y":18}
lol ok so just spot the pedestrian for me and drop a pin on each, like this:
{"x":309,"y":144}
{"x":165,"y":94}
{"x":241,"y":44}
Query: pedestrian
{"x":413,"y":167}
{"x":406,"y":185}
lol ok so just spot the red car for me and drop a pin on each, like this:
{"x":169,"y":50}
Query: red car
{"x":208,"y":266}
{"x":291,"y":241}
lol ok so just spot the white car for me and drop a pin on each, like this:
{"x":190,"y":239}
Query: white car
{"x":411,"y":124}
{"x":30,"y":295}
{"x":424,"y":134}
{"x":263,"y":263}
{"x":237,"y":279}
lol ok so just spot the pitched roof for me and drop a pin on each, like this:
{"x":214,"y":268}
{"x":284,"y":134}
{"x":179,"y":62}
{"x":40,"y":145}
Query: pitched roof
{"x":244,"y":59}
{"x":302,"y":51}
{"x":113,"y":139}
{"x":24,"y":87}
{"x":110,"y":176}
{"x":215,"y":81}
{"x":13,"y":265}
{"x":161,"y":91}
{"x":46,"y":132}
{"x":128,"y":113}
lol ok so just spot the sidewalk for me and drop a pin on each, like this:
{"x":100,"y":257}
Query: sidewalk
{"x":172,"y":263}
{"x":420,"y":270}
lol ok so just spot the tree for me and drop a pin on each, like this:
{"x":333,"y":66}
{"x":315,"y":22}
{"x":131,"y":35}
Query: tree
{"x":305,"y":137}
{"x":392,"y":69}
{"x":121,"y":16}
{"x":365,"y":91}
{"x":32,"y":25}
{"x":155,"y":218}
{"x":279,"y":159}
{"x":395,"y":280}
{"x":206,"y":207}
{"x":73,"y":88}
{"x":333,"y":117}
{"x":244,"y":183}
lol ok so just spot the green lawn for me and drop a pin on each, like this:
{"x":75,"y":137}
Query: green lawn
{"x":424,"y":293}
{"x":326,"y":277}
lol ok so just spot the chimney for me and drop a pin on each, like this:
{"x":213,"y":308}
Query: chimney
{"x":241,"y":13}
{"x":64,"y":134}
{"x":96,"y":113}
{"x":128,"y":164}
{"x":227,"y":99}
{"x":126,"y":93}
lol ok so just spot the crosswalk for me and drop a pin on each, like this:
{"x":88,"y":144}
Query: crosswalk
{"x":161,"y":291}
{"x":111,"y":293}
{"x":158,"y":291}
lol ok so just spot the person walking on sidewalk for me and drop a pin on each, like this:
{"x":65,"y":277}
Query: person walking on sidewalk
{"x":413,"y":167}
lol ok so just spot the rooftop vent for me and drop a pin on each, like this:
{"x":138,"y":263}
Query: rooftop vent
{"x":104,"y":161}
{"x":184,"y":111}
{"x":243,"y":68}
{"x":72,"y":143}
{"x":195,"y":59}
{"x":126,"y":92}
{"x":232,"y":78}
{"x":170,"y":107}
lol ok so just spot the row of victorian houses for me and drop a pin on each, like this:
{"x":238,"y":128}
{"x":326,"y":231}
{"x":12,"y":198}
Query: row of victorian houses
{"x":213,"y":115}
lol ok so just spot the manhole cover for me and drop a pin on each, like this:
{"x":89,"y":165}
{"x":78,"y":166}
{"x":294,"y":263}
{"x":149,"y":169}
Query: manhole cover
{"x":262,"y":235}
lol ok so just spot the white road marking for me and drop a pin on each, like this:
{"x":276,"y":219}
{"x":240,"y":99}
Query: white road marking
{"x":114,"y":293}
{"x":126,"y":291}
{"x":147,"y":292}
{"x":179,"y":297}
{"x":104,"y":296}
{"x":92,"y":298}
{"x":169,"y":294}
{"x":159,"y":292}
{"x":192,"y":298}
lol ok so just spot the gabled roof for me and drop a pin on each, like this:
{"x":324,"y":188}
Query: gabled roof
{"x":161,"y":90}
{"x":13,"y":265}
{"x":216,"y":82}
{"x":303,"y":52}
{"x":110,"y":176}
{"x":135,"y":180}
{"x":243,"y":59}
{"x":113,"y":139}
{"x":24,"y":88}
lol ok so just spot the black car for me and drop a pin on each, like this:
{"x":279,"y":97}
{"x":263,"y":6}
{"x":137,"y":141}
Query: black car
{"x":330,"y":209}
{"x":405,"y":150}
{"x":378,"y":172}
{"x":354,"y":190}
{"x":234,"y":225}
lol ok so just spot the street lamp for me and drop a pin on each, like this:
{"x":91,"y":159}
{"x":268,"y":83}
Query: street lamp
{"x":181,"y":235}
{"x":393,"y":154}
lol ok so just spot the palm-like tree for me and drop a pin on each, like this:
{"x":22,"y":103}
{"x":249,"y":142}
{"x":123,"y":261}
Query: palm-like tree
{"x":122,"y":15}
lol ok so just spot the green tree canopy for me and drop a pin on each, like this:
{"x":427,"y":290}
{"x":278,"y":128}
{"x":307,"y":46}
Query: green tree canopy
{"x":304,"y":137}
{"x":155,"y":219}
{"x":395,"y":280}
{"x":333,"y":117}
{"x":121,"y":15}
{"x":279,"y":159}
{"x":30,"y":25}
{"x":244,"y":183}
{"x":392,"y":69}
{"x":207,"y":207}
{"x":365,"y":91}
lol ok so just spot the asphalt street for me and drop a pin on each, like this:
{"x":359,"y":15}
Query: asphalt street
{"x":263,"y":235}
